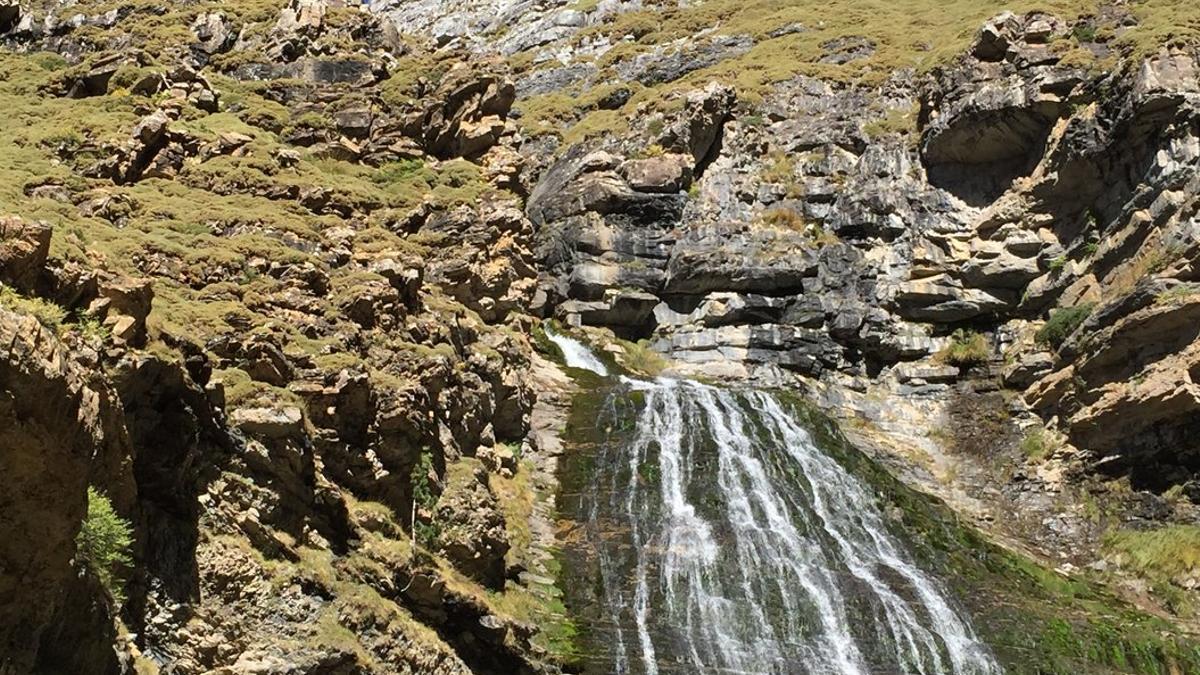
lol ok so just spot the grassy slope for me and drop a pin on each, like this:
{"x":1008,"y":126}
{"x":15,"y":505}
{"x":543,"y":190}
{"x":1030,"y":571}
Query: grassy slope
{"x":205,"y":247}
{"x":206,"y":279}
{"x":917,"y":34}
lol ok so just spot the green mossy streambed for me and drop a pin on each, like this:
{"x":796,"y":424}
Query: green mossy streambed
{"x":1031,"y":619}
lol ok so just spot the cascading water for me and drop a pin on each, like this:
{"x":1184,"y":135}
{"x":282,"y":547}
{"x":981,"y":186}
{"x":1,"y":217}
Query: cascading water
{"x":575,"y":353}
{"x":725,"y":541}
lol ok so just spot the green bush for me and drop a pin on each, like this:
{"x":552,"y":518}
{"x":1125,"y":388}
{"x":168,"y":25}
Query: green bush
{"x":103,"y":543}
{"x":1061,"y":324}
{"x":424,"y":529}
{"x":966,"y":349}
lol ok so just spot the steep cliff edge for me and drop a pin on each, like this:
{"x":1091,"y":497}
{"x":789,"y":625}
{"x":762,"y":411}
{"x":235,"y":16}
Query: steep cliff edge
{"x":263,"y":290}
{"x":271,"y":272}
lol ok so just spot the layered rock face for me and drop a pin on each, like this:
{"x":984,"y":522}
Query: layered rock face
{"x":270,"y":273}
{"x":805,"y":233}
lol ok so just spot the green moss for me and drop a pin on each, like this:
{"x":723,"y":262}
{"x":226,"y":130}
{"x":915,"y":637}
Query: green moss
{"x":1038,"y":443}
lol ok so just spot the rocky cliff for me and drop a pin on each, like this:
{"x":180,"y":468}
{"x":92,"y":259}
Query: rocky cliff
{"x":272,"y":273}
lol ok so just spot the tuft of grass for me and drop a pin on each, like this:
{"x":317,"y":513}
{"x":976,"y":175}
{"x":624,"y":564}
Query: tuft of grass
{"x":966,"y":349}
{"x":1062,"y":323}
{"x":640,"y":358}
{"x":103,"y":544}
{"x":1168,"y":553}
{"x":1179,"y":293}
{"x":783,"y":218}
{"x":902,"y":121}
{"x":48,"y":314}
{"x":1038,"y":443}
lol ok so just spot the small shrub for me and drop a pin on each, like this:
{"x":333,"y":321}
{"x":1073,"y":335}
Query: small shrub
{"x":92,"y":329}
{"x":1091,"y":248}
{"x":1179,"y":293}
{"x":1084,"y":32}
{"x":1160,"y":259}
{"x":1058,"y":264}
{"x":781,"y":169}
{"x":966,"y":349}
{"x":424,"y":530}
{"x":1062,"y":323}
{"x":396,"y":172}
{"x":48,"y":314}
{"x":103,"y":544}
{"x":652,"y":150}
{"x":1038,"y":444}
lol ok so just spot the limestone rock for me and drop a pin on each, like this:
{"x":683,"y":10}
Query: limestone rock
{"x":272,"y":423}
{"x":215,"y":34}
{"x":57,"y":427}
{"x":472,"y":527}
{"x":23,"y":249}
{"x":668,"y":173}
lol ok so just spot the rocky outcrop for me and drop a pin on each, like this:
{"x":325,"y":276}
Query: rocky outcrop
{"x":58,"y":425}
{"x":257,"y":379}
{"x":987,"y":120}
{"x":23,"y":250}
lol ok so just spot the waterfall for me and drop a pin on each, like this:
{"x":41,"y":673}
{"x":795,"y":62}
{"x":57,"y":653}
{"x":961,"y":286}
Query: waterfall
{"x":575,"y":353}
{"x":725,"y":540}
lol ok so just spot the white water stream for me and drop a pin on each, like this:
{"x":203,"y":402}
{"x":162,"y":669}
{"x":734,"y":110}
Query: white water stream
{"x":575,"y":353}
{"x":728,"y":542}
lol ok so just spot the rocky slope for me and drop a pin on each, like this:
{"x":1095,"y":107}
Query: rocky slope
{"x":272,"y":273}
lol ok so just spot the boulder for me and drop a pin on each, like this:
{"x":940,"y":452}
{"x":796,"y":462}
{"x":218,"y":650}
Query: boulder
{"x":123,"y":305}
{"x":1026,"y":369}
{"x":94,"y":82}
{"x":286,"y":422}
{"x":667,"y":173}
{"x":24,"y":246}
{"x":942,"y":299}
{"x":697,"y":127}
{"x":215,"y":33}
